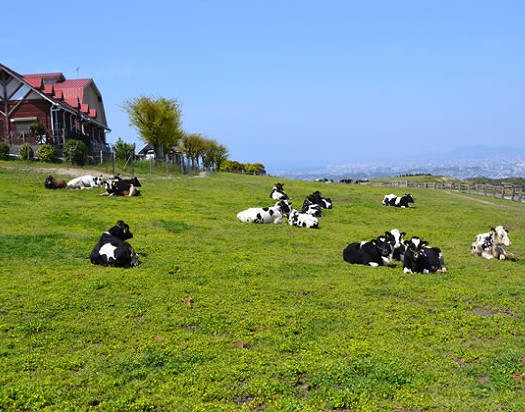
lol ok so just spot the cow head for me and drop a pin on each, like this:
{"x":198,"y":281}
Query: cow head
{"x":395,"y":237}
{"x":409,"y":198}
{"x":121,"y":230}
{"x":501,"y":236}
{"x":383,"y":246}
{"x":414,"y":245}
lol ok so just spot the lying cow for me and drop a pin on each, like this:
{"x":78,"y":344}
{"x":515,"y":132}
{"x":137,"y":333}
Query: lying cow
{"x":490,"y":245}
{"x":395,"y":238}
{"x":278,"y":192}
{"x":317,"y":198}
{"x":86,"y":182}
{"x":311,"y":208}
{"x":273,"y":214}
{"x":122,"y":187}
{"x":377,"y":252}
{"x":113,"y":250}
{"x":398,"y":201}
{"x":421,"y":258}
{"x":303,"y":220}
{"x":53,"y":183}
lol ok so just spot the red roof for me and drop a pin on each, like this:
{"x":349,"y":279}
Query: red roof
{"x":70,"y":92}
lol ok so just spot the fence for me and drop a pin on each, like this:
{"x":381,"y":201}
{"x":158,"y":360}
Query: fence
{"x":505,"y":191}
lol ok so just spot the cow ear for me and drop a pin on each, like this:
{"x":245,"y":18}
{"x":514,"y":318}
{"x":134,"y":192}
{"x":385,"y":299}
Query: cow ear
{"x":373,"y":241}
{"x":424,"y":243}
{"x":493,"y":229}
{"x":403,"y":234}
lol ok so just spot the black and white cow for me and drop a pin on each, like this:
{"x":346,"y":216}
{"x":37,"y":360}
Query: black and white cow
{"x":398,"y":201}
{"x":302,"y":220}
{"x":86,"y":182}
{"x":317,"y":198}
{"x":113,"y":250}
{"x":376,"y":252}
{"x":421,"y":258}
{"x":54,"y":183}
{"x":395,"y":237}
{"x":278,"y":192}
{"x":311,"y":208}
{"x":122,"y":187}
{"x":490,"y":245}
{"x":273,"y":214}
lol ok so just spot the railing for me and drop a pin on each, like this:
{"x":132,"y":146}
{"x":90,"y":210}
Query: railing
{"x":505,"y":191}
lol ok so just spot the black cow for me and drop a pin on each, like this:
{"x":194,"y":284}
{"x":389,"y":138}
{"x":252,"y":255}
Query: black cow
{"x":421,"y":258}
{"x":377,"y":252}
{"x":278,"y":192}
{"x":113,"y":250}
{"x":395,"y":238}
{"x":122,"y":187}
{"x":317,"y":198}
{"x":402,"y":201}
{"x":311,"y":208}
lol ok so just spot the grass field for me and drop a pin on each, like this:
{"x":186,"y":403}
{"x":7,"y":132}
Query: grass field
{"x":225,"y":316}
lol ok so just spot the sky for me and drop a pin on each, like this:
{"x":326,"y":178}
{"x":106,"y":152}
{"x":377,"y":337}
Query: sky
{"x":294,"y":84}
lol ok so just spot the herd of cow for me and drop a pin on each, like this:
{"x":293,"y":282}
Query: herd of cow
{"x":416,"y":254}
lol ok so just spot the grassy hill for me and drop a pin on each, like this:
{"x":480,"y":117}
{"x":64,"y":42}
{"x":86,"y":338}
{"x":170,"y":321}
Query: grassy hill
{"x":225,"y":316}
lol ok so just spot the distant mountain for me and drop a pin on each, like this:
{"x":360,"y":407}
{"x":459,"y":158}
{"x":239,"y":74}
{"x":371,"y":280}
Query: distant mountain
{"x":462,"y":163}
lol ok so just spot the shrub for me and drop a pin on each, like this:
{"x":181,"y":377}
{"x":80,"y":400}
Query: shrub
{"x":4,"y":151}
{"x":46,"y":153}
{"x":26,"y":152}
{"x":75,"y":152}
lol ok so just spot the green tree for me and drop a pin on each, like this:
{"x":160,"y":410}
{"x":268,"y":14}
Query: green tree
{"x":194,"y":146}
{"x":158,"y":122}
{"x":122,"y":149}
{"x":27,"y":152}
{"x":213,"y":155}
{"x":38,"y":130}
{"x":4,"y":151}
{"x":46,"y":152}
{"x":75,"y":152}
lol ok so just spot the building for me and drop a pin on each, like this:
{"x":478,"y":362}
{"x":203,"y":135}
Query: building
{"x":64,"y":109}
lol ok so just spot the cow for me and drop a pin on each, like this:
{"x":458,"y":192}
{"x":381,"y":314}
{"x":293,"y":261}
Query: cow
{"x":376,"y":252}
{"x":122,"y":187}
{"x":278,"y":192}
{"x":273,"y":214}
{"x":490,"y":245}
{"x":421,"y":258}
{"x":54,"y":183}
{"x":388,"y":198}
{"x":113,"y":250}
{"x":302,"y":220}
{"x":395,"y":238}
{"x":86,"y":182}
{"x":398,"y":201}
{"x":317,"y":198}
{"x":311,"y":208}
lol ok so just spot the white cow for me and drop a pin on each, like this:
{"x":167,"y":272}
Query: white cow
{"x":303,"y":220}
{"x":388,"y":199}
{"x":273,"y":214}
{"x":490,"y":245}
{"x":86,"y":182}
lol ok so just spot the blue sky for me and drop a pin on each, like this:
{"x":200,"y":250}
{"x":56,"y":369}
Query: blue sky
{"x":295,"y":84}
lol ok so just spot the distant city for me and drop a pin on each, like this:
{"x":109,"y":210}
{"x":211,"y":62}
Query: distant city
{"x":481,"y":163}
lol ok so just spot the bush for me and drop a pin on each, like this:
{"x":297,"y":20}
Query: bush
{"x":26,"y":152}
{"x":75,"y":152}
{"x":46,"y":153}
{"x":4,"y":151}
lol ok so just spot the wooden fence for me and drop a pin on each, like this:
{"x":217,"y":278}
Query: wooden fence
{"x":508,"y":191}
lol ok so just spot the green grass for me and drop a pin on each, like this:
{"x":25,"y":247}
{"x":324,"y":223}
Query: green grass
{"x":224,"y":316}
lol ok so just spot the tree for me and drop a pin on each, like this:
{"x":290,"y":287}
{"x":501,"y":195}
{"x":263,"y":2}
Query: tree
{"x":213,"y":155}
{"x":122,"y":149}
{"x":75,"y":152}
{"x":194,"y":146}
{"x":157,"y":121}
